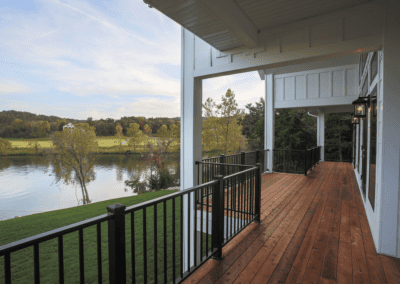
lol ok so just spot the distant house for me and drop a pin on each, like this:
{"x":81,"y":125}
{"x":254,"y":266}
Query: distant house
{"x":69,"y":125}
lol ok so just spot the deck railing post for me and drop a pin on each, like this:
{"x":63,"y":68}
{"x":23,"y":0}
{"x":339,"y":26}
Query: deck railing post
{"x":258,"y":194}
{"x":217,"y":237}
{"x":222,"y":161}
{"x":116,"y":244}
{"x":243,"y":158}
{"x":257,"y":156}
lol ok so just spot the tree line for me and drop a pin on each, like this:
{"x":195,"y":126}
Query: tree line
{"x":226,"y":128}
{"x":18,"y":124}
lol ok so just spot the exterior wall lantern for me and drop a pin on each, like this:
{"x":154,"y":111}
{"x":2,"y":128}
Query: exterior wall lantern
{"x":360,"y":107}
{"x":355,"y":120}
{"x":374,"y":106}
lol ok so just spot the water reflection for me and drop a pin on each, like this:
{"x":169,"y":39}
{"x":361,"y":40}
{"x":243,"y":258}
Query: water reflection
{"x":27,"y":183}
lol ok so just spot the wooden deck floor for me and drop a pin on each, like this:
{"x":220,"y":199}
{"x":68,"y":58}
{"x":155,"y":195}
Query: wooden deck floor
{"x":313,"y":230}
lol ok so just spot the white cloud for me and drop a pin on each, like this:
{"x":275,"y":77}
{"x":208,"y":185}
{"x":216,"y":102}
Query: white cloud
{"x":8,"y":87}
{"x":248,"y":88}
{"x":83,"y":49}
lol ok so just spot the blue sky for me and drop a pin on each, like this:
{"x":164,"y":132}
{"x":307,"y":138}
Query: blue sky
{"x":102,"y":59}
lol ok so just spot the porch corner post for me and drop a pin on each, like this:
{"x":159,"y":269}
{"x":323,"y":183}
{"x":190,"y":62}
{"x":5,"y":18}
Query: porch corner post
{"x":258,"y":194}
{"x":217,"y":237}
{"x":321,"y":134}
{"x":269,"y":123}
{"x":116,"y":244}
{"x":191,"y":138}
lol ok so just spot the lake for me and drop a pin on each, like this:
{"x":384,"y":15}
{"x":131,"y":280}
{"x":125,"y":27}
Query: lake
{"x":26,"y":188}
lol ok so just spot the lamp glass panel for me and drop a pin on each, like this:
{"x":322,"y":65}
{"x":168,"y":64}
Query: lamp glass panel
{"x":374,"y":66}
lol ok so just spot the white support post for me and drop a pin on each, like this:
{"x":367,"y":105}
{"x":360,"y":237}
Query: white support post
{"x":321,"y":133}
{"x":390,"y":179}
{"x":269,"y":120}
{"x":191,"y":139}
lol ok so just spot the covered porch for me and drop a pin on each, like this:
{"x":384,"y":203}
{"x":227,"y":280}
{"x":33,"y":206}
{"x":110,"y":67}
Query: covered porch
{"x":314,"y":229}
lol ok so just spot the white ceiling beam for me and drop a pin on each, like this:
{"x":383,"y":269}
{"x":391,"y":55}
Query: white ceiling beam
{"x":230,"y":15}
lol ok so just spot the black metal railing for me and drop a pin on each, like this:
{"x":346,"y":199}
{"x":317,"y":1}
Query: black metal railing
{"x":170,"y":236}
{"x":289,"y":161}
{"x":311,"y":158}
{"x":207,"y":171}
{"x":336,"y":154}
{"x":112,"y":217}
{"x":242,"y":158}
{"x":296,"y":161}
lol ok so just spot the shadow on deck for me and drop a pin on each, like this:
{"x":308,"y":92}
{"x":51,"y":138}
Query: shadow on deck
{"x":313,"y":229}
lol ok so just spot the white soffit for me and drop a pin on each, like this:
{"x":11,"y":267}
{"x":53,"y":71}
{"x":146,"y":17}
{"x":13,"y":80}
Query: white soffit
{"x":229,"y":24}
{"x":341,"y":61}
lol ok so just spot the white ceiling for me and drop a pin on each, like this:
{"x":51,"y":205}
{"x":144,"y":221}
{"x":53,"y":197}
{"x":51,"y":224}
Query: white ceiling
{"x":228,"y":24}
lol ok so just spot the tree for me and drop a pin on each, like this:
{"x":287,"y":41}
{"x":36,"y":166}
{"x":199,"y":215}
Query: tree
{"x":168,"y":136}
{"x":61,"y":123}
{"x":338,"y":134}
{"x":75,"y":152}
{"x":35,"y":146}
{"x":221,"y":129}
{"x":176,"y":133}
{"x":5,"y":146}
{"x":86,"y":127}
{"x":249,"y":121}
{"x":136,"y":135}
{"x":119,"y":134}
{"x":291,"y":131}
{"x":147,"y":130}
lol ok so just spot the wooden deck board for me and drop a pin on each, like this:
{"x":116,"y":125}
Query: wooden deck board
{"x":314,"y":230}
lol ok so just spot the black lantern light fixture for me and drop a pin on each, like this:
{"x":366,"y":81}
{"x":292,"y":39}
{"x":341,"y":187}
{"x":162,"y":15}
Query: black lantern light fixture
{"x":360,"y":107}
{"x":355,"y":120}
{"x":374,"y":106}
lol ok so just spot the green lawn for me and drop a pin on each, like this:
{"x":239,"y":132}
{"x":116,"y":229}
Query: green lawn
{"x":22,"y":261}
{"x":107,"y":144}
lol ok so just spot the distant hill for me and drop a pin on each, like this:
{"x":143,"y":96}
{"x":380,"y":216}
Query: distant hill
{"x":8,"y":116}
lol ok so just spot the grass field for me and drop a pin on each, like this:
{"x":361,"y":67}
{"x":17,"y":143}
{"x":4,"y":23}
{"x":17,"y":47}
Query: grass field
{"x":107,"y":144}
{"x":22,"y":261}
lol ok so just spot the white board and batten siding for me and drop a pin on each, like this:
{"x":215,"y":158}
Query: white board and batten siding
{"x":322,"y":87}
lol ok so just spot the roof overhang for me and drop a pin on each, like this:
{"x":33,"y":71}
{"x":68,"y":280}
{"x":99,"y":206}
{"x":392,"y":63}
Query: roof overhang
{"x":229,"y":24}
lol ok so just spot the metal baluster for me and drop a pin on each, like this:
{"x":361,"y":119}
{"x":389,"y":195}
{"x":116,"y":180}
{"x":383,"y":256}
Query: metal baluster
{"x":231,"y":182}
{"x":81,"y":257}
{"x":165,"y":241}
{"x":201,"y":225}
{"x":144,"y":246}
{"x":7,"y":268}
{"x":61,"y":260}
{"x":207,"y":213}
{"x":155,"y":244}
{"x":173,"y":241}
{"x":133,"y":246}
{"x":189,"y":249}
{"x":181,"y":254}
{"x":227,"y":204}
{"x":195,"y":228}
{"x":36,"y":263}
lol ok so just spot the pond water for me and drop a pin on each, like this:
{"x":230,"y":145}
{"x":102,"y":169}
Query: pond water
{"x":28,"y":185}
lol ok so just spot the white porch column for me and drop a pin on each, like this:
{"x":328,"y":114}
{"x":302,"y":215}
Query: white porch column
{"x":191,"y":124}
{"x":390,"y":182}
{"x":321,"y":133}
{"x":269,"y":120}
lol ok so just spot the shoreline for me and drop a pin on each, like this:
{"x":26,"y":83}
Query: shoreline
{"x":172,"y":188}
